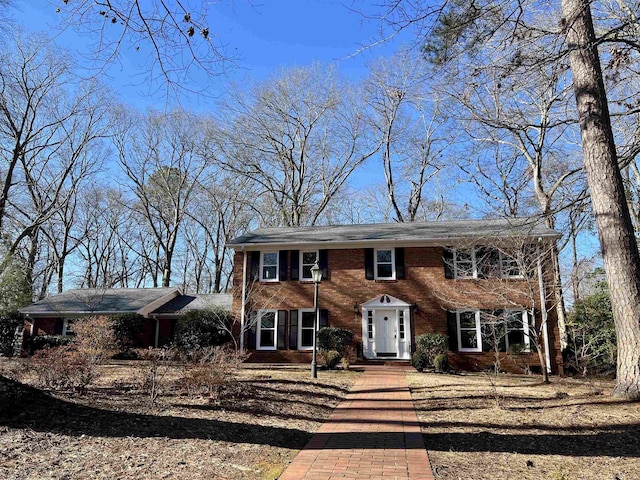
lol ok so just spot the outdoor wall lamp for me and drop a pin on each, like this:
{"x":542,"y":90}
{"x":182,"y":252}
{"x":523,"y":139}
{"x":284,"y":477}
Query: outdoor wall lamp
{"x":356,"y":309}
{"x":414,"y":307}
{"x":316,"y":275}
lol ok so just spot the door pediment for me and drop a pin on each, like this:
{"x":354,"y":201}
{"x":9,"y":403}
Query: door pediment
{"x":385,"y":301}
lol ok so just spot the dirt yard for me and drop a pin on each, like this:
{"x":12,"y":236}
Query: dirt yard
{"x":475,"y":427}
{"x":113,"y":432}
{"x":479,"y":426}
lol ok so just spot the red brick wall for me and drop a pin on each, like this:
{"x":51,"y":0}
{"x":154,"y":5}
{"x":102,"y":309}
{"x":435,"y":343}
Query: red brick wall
{"x":424,"y":284}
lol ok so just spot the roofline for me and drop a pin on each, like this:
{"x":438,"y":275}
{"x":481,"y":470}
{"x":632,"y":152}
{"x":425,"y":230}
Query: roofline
{"x":150,"y":307}
{"x":342,"y":244}
{"x":80,"y":313}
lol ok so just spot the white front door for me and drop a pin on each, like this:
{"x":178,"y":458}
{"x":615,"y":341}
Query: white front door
{"x":386,"y":333}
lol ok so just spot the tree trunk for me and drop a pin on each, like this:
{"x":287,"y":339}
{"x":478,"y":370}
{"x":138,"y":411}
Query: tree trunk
{"x":615,"y":230}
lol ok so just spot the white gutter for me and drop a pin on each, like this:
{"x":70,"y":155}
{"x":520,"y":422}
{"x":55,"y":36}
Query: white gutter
{"x":543,"y":310}
{"x":244,"y":299}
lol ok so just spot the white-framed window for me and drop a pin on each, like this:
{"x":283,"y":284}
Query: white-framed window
{"x":509,"y":266}
{"x":469,"y":332}
{"x":307,"y":260}
{"x":464,"y":263}
{"x":401,"y":325}
{"x":385,"y":264}
{"x":484,"y":262}
{"x":267,"y":329}
{"x":269,"y":266}
{"x":370,"y":324}
{"x":305,"y":329}
{"x":517,"y":331}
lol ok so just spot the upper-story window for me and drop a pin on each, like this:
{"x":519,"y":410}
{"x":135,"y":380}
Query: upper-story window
{"x":307,"y":260}
{"x":269,"y":267}
{"x":483,"y":262}
{"x":464,"y":263}
{"x":509,"y":266}
{"x":385,"y":264}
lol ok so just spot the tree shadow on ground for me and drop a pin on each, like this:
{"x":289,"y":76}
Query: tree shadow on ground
{"x":26,"y":407}
{"x":616,"y":442}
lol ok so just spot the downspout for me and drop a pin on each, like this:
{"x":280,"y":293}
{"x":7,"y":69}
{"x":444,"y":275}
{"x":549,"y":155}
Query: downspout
{"x":244,"y":299}
{"x":543,"y":310}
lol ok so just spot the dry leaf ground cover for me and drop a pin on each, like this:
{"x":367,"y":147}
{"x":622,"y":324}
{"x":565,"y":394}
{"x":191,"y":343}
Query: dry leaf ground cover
{"x":112,"y":431}
{"x":479,"y":426}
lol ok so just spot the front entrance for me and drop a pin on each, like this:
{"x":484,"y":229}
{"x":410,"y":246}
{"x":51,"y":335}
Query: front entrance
{"x":386,"y":333}
{"x":386,"y":329}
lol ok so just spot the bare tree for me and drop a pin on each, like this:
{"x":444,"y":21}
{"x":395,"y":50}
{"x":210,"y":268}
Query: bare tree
{"x":51,"y":134}
{"x":411,"y":126}
{"x":463,"y":26}
{"x":299,"y":137}
{"x":159,"y":155}
{"x":173,"y":40}
{"x":506,"y":282}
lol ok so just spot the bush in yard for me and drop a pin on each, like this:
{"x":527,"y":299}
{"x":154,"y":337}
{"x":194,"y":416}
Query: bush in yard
{"x":441,"y":362}
{"x":200,"y":329}
{"x":62,"y":368}
{"x":94,"y":339}
{"x":419,"y":360}
{"x":213,"y":372}
{"x":432,"y":344}
{"x":9,"y":322}
{"x":41,"y":342}
{"x":330,"y":358}
{"x":127,"y":330}
{"x":337,"y":339}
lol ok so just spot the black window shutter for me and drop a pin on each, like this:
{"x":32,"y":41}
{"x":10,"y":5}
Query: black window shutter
{"x":282,"y":329}
{"x":57,"y":329}
{"x":399,"y":262}
{"x":282,"y":260}
{"x":452,"y":331}
{"x":254,"y":268}
{"x":368,"y":263}
{"x":293,"y":329}
{"x":251,"y":337}
{"x":447,"y":257}
{"x":295,"y":264}
{"x":323,"y":263}
{"x":324,"y":318}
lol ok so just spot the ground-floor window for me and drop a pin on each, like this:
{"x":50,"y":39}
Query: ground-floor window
{"x":267,"y":328}
{"x":305,"y":336}
{"x":469,"y":333}
{"x":498,"y":330}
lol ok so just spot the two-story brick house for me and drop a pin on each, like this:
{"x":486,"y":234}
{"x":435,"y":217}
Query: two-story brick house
{"x":389,"y":283}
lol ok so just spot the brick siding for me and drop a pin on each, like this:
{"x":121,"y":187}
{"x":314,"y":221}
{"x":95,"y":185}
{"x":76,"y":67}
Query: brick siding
{"x":424,"y":284}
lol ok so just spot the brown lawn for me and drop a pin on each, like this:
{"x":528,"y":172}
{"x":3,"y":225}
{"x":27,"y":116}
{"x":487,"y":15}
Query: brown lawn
{"x":113,"y":432}
{"x":475,"y":427}
{"x":479,"y":426}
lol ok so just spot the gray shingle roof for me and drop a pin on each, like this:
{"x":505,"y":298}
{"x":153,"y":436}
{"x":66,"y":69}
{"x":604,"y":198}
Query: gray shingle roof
{"x":106,"y":301}
{"x":184,"y":303}
{"x":415,"y":232}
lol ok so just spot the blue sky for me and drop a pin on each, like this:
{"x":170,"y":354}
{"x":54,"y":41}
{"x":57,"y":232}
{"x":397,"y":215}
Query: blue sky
{"x":267,"y":35}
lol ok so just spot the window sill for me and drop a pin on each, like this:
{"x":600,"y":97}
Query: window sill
{"x":270,"y":282}
{"x":386,"y":280}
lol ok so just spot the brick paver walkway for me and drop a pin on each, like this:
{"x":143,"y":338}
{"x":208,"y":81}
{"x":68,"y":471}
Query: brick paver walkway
{"x":373,"y":434}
